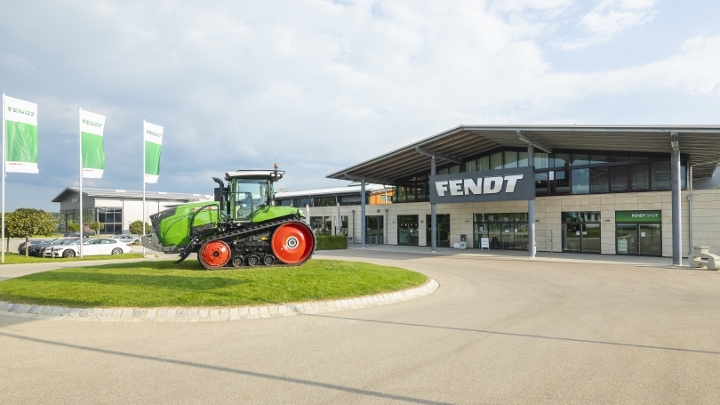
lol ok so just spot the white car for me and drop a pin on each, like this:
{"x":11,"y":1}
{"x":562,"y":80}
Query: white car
{"x":95,"y":246}
{"x":126,"y":238}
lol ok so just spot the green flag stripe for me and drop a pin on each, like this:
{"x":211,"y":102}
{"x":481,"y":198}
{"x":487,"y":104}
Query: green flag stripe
{"x":152,"y":158}
{"x":93,"y":155}
{"x":22,"y":142}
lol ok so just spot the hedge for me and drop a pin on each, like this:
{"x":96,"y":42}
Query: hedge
{"x":331,"y":242}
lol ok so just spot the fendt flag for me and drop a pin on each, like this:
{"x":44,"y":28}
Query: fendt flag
{"x":21,"y":136}
{"x":91,"y":138}
{"x":153,"y":135}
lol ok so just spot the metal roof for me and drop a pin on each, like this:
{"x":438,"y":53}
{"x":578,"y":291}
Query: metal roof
{"x":132,"y":194}
{"x":338,"y":191}
{"x":700,"y":143}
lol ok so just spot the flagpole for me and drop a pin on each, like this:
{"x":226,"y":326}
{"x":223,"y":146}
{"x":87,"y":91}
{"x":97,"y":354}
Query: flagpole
{"x":2,"y":248}
{"x":143,"y":180}
{"x":81,"y":177}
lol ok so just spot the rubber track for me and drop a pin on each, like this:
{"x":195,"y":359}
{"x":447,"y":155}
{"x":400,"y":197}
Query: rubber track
{"x":253,"y":230}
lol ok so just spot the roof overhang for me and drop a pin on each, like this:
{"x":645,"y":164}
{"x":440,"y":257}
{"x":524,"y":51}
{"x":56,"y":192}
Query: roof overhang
{"x":700,"y":143}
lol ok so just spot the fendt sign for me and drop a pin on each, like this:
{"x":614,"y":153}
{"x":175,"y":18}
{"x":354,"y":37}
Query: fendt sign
{"x":493,"y":185}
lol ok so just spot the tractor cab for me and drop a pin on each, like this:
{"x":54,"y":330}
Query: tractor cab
{"x":247,"y":193}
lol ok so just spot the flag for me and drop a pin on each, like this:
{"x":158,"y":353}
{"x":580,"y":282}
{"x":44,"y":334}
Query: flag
{"x":91,"y":138}
{"x":21,"y":136}
{"x":153,"y":136}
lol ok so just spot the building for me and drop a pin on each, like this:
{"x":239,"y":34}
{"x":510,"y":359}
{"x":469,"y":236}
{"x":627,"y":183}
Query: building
{"x":593,"y":189}
{"x":323,"y":205}
{"x":116,"y":209}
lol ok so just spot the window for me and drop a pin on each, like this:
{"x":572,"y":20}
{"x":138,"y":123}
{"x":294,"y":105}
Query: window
{"x":541,"y":184}
{"x":511,"y":159}
{"x":484,"y":163}
{"x":541,"y":160}
{"x":471,"y":166}
{"x":618,"y":179}
{"x":640,"y":177}
{"x":496,"y":161}
{"x":111,"y":218}
{"x":561,"y":160}
{"x":580,"y":181}
{"x":599,"y":182}
{"x":661,"y":176}
{"x":562,"y":182}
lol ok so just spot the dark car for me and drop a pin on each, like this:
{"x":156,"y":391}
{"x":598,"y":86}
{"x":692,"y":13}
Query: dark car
{"x":21,"y":248}
{"x":38,"y":249}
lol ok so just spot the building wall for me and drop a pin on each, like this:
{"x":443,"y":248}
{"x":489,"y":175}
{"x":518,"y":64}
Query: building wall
{"x":548,"y":211}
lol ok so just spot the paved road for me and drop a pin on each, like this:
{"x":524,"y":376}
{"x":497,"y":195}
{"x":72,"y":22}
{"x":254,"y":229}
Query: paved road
{"x":497,"y":331}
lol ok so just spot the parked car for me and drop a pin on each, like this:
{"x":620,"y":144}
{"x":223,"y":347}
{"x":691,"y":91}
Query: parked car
{"x":86,"y":234}
{"x":126,"y":238}
{"x":21,"y":247}
{"x":37,"y":249}
{"x":96,"y":246}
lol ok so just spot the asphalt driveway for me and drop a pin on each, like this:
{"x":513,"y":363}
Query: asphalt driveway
{"x":497,"y":331}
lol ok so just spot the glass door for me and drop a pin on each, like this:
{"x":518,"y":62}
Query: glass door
{"x":407,"y":230}
{"x":591,"y":238}
{"x":443,"y":230}
{"x":650,"y":240}
{"x":572,"y":237}
{"x":508,"y":235}
{"x":626,"y":236}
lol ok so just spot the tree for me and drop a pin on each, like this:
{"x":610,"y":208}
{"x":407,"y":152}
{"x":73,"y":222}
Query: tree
{"x":27,"y":222}
{"x":96,"y":226}
{"x":136,"y":228}
{"x":73,"y":227}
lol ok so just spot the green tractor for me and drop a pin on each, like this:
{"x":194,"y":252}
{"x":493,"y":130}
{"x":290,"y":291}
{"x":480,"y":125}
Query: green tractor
{"x":241,"y":227}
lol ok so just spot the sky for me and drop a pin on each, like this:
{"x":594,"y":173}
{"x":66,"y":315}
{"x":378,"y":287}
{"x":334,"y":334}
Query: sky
{"x":319,"y":85}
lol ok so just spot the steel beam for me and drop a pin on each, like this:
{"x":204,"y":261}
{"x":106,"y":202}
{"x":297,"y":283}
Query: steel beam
{"x":438,"y":155}
{"x":533,"y":143}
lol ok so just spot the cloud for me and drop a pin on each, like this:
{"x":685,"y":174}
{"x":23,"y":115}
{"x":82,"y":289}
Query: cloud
{"x":313,"y":85}
{"x":607,"y":19}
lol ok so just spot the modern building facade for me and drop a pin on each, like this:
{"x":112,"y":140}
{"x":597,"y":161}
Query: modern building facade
{"x":607,"y":190}
{"x":117,"y":209}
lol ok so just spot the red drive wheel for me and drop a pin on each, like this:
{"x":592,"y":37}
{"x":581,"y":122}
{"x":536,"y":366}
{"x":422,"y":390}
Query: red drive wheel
{"x":214,"y":254}
{"x":293,"y":243}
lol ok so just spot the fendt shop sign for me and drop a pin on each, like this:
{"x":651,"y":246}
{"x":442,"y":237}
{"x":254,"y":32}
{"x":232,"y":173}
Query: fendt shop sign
{"x":493,"y":185}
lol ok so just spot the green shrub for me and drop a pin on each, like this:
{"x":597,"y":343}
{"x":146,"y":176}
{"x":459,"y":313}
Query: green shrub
{"x":331,"y":242}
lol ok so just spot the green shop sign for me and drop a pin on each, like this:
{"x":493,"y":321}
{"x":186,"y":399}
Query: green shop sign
{"x":638,"y":216}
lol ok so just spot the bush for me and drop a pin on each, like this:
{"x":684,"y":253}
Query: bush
{"x":73,"y":227}
{"x":331,"y":242}
{"x":136,"y":228}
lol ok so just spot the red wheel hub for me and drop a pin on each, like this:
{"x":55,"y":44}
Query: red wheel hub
{"x":293,"y":243}
{"x":214,"y":254}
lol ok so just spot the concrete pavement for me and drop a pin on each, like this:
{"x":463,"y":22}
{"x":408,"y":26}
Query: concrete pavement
{"x":499,"y":330}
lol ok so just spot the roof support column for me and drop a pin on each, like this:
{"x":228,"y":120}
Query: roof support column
{"x":362,"y":212}
{"x":531,"y":205}
{"x":433,"y":211}
{"x":676,"y":202}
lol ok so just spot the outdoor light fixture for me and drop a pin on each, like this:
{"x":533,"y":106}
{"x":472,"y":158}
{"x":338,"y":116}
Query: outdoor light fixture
{"x":674,"y":141}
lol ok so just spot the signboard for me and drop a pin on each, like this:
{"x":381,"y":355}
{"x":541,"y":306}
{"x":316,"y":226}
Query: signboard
{"x":484,"y":243}
{"x":638,"y":216}
{"x":492,"y":185}
{"x":622,"y":245}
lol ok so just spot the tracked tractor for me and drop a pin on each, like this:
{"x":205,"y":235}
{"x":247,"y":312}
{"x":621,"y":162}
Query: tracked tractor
{"x":242,"y":227}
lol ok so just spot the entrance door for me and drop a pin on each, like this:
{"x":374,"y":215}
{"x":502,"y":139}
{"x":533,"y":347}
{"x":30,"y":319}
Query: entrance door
{"x":374,"y":230}
{"x":443,"y":230}
{"x":650,"y":240}
{"x":626,"y":236}
{"x":521,"y":236}
{"x":572,"y":237}
{"x":408,"y":230}
{"x":508,"y":235}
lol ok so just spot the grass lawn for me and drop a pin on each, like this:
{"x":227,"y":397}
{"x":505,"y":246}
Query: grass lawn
{"x":161,"y":284}
{"x":14,"y":258}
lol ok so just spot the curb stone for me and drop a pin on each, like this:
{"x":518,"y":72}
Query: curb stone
{"x":212,"y":314}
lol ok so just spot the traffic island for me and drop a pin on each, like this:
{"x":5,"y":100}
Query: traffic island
{"x":164,"y":291}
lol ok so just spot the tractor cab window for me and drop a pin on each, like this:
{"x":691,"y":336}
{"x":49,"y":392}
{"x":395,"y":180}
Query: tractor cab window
{"x":248,"y":196}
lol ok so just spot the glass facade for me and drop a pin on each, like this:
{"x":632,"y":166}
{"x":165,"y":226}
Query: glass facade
{"x":503,"y":231}
{"x":563,"y":173}
{"x":408,"y":230}
{"x":443,"y":230}
{"x":111,"y":218}
{"x":581,"y":231}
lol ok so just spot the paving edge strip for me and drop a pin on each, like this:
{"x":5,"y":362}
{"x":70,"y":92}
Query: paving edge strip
{"x":211,"y":314}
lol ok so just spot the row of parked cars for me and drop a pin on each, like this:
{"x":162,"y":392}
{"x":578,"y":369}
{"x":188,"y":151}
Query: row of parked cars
{"x":70,"y":246}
